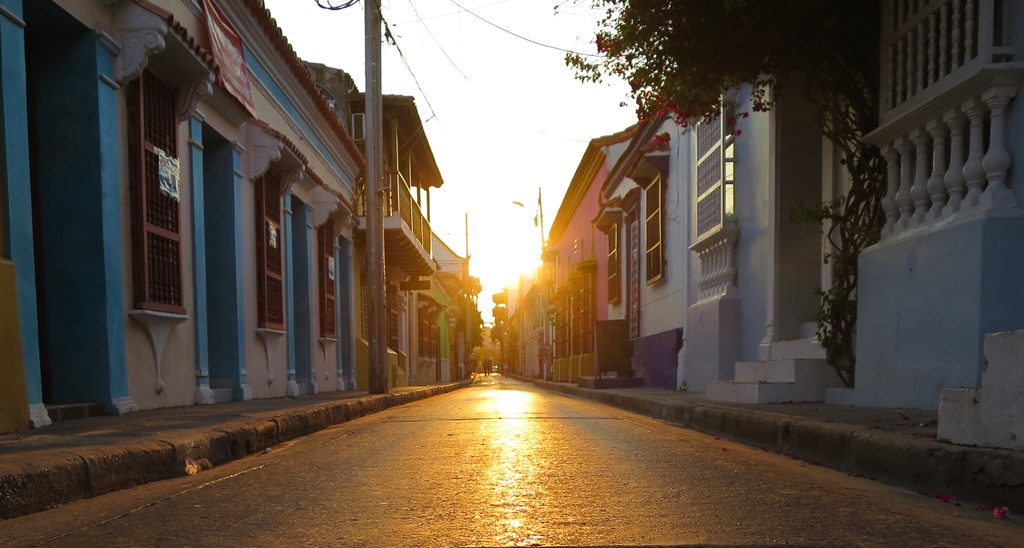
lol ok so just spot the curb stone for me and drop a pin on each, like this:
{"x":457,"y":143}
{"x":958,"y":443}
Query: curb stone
{"x":61,"y":477}
{"x":990,"y":476}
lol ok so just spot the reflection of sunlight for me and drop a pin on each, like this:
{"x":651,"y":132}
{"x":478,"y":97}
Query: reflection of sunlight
{"x":513,"y":474}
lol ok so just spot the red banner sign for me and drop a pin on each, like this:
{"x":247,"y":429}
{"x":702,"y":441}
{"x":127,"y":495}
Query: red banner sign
{"x":226,"y":46}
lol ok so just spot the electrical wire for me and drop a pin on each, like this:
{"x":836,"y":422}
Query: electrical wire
{"x":439,"y":46}
{"x":390,"y":38}
{"x":329,"y":5}
{"x":521,"y":37}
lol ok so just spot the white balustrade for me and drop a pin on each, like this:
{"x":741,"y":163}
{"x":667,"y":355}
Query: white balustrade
{"x":946,"y":84}
{"x":919,"y":191}
{"x":930,"y":45}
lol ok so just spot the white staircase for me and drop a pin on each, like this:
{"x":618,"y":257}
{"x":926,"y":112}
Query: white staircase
{"x":795,"y":371}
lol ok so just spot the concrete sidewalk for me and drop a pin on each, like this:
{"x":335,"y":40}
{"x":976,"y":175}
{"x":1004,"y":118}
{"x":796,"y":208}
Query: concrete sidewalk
{"x":893,"y":445}
{"x":58,"y":464}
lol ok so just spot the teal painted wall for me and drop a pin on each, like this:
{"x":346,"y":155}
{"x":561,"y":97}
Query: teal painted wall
{"x":74,"y":119}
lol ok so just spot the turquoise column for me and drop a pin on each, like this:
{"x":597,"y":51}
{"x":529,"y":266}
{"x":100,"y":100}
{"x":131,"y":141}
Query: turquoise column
{"x":14,"y":170}
{"x":203,"y":394}
{"x":292,"y":389}
{"x":109,"y":138}
{"x":344,"y":312}
{"x":242,"y":389}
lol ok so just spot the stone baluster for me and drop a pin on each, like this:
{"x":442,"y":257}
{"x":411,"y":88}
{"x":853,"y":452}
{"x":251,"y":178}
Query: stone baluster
{"x":919,"y":190}
{"x":903,"y":201}
{"x":921,"y":83}
{"x":956,"y":185}
{"x":956,"y":36}
{"x":936,"y":184}
{"x":892,"y":183}
{"x":899,"y":71}
{"x":974,"y":172}
{"x":997,"y":159}
{"x":932,"y":42}
{"x":943,"y":31}
{"x":968,"y":31}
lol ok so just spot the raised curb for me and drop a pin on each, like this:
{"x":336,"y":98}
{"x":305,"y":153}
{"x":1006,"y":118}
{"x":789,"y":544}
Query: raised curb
{"x":991,"y":476}
{"x":61,"y":477}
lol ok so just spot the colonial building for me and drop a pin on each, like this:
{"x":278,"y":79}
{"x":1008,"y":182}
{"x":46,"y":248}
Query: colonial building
{"x":178,"y":216}
{"x":574,"y":274}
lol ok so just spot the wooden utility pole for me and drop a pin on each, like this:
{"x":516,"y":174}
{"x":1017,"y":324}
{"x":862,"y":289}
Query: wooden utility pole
{"x":375,"y":192}
{"x":468,"y":328}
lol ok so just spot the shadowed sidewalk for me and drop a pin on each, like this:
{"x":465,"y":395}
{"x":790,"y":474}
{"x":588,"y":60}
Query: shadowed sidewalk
{"x":84,"y":458}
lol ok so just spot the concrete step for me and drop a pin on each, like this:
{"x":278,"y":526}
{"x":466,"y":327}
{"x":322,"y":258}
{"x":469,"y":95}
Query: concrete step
{"x":808,"y":349}
{"x":764,"y":392}
{"x":784,"y":370}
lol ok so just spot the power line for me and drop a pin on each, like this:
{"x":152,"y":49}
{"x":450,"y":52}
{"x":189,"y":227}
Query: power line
{"x":439,"y":46}
{"x":521,"y":37}
{"x":390,"y":37}
{"x":450,"y":13}
{"x":330,"y":5}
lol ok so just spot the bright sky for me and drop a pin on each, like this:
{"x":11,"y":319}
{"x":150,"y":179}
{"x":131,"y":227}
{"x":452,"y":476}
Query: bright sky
{"x":505,"y":116}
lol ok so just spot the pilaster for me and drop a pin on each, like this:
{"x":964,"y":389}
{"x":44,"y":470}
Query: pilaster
{"x":203,"y":393}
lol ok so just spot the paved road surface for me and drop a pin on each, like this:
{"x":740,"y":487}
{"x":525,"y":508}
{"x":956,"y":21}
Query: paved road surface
{"x":505,"y":463}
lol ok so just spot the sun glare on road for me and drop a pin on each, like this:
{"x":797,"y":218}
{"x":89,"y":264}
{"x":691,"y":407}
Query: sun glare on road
{"x":513,"y":478}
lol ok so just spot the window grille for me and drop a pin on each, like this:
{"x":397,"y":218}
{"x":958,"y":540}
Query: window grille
{"x":614,"y":266}
{"x":654,"y":196}
{"x":269,"y":245}
{"x":328,"y":274}
{"x":715,"y":173}
{"x":155,"y":197}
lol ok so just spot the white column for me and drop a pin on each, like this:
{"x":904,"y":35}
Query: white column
{"x":997,"y":160}
{"x":956,"y":185}
{"x":892,"y":184}
{"x":974,"y":171}
{"x":903,"y":201}
{"x":919,"y":190}
{"x":936,"y":184}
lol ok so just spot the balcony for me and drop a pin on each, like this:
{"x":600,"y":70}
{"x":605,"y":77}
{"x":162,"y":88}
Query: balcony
{"x":946,"y":83}
{"x":407,"y":233}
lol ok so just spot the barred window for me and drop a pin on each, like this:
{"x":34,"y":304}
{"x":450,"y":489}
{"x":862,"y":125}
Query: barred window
{"x":269,"y":244}
{"x":614,"y":266}
{"x":654,"y":198}
{"x":328,"y":275}
{"x":154,"y":184}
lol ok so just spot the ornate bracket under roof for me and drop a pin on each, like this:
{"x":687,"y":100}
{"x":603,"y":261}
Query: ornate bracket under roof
{"x":190,"y":94}
{"x":261,"y":149}
{"x":143,"y":34}
{"x":324,"y":203}
{"x":345,"y":220}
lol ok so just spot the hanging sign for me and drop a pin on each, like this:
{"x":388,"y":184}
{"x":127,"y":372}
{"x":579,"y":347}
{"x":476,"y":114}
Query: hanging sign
{"x":168,"y":171}
{"x":272,"y":232}
{"x":226,"y":44}
{"x":330,"y":268}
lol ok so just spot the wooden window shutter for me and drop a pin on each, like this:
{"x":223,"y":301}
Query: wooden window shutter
{"x":614,"y":265}
{"x":269,"y":242}
{"x":392,"y":302}
{"x":654,"y":229}
{"x":328,"y":273}
{"x":156,"y":233}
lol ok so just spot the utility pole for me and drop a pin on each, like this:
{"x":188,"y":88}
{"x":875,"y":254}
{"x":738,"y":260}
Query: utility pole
{"x":546,"y":339}
{"x":468,"y":328}
{"x":379,"y":371}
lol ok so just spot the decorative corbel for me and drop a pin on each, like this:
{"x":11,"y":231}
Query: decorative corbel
{"x":261,"y":150}
{"x":296,"y":177}
{"x":324,"y":203}
{"x":143,"y":34}
{"x":190,"y":95}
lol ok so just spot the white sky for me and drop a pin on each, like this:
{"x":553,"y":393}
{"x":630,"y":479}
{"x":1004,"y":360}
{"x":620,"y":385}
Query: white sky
{"x":508,"y":115}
